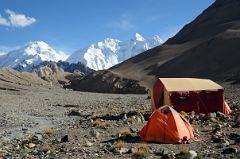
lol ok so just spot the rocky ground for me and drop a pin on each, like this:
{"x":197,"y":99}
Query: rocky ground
{"x":51,"y":122}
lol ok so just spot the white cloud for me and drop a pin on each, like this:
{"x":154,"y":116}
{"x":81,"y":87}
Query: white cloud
{"x":4,"y":21}
{"x":19,"y":20}
{"x":16,"y":20}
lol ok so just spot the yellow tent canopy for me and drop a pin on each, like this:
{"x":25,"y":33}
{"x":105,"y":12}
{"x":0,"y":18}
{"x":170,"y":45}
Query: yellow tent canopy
{"x":189,"y":84}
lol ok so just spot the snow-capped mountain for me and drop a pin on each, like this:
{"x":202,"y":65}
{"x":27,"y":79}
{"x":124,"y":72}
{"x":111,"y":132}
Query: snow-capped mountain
{"x":110,"y":52}
{"x":32,"y":54}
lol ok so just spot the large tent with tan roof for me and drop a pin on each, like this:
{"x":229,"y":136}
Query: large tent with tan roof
{"x":189,"y":94}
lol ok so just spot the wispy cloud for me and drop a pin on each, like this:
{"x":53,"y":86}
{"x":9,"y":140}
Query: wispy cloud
{"x":16,"y":20}
{"x":4,"y":21}
{"x":124,"y":22}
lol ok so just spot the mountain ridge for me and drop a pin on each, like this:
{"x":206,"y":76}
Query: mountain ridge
{"x":31,"y":54}
{"x":109,"y":52}
{"x":101,"y":55}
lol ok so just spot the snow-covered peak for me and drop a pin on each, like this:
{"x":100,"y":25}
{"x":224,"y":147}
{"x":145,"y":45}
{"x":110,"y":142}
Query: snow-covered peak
{"x":109,"y":40}
{"x":109,"y":52}
{"x":31,"y":54}
{"x":139,"y":37}
{"x":41,"y":48}
{"x":157,"y":38}
{"x":34,"y":48}
{"x":41,"y":44}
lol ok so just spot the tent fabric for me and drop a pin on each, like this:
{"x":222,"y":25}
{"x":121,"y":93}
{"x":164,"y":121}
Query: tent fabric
{"x":166,"y":126}
{"x":158,"y":93}
{"x":227,"y":109}
{"x":167,"y":100}
{"x":189,"y":94}
{"x":199,"y":102}
{"x":188,"y":84}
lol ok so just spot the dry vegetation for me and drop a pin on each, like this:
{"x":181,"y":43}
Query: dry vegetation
{"x":141,"y":151}
{"x":125,"y":132}
{"x":120,"y":144}
{"x":49,"y":131}
{"x":104,"y":124}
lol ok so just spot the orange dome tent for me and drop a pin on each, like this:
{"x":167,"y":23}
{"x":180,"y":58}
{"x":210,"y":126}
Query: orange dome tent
{"x":166,"y":126}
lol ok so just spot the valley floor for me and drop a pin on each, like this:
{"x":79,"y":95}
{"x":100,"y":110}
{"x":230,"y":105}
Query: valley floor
{"x":51,"y":122}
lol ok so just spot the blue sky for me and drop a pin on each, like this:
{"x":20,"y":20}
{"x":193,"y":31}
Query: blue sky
{"x":68,"y":25}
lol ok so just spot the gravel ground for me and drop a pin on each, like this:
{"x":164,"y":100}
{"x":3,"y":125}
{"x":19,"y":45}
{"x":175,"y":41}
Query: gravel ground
{"x":51,"y":122}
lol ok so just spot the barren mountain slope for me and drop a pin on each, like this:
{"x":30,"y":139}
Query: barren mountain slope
{"x":15,"y":81}
{"x":207,"y":48}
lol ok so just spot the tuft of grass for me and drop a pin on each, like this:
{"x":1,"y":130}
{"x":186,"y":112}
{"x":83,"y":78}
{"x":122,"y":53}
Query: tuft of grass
{"x":141,"y":151}
{"x":104,"y":124}
{"x":120,"y":144}
{"x":49,"y":131}
{"x":125,"y":132}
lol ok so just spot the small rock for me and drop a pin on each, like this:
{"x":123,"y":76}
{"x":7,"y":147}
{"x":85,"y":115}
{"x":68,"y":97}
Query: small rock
{"x":141,"y":117}
{"x":235,"y":137}
{"x":134,"y":130}
{"x":213,"y":120}
{"x":138,"y":119}
{"x":31,"y":145}
{"x":160,"y":152}
{"x":202,"y":117}
{"x":89,"y":144}
{"x":124,"y":117}
{"x":226,"y":143}
{"x":212,"y":115}
{"x":216,"y":130}
{"x":46,"y":148}
{"x":37,"y":137}
{"x":220,"y":114}
{"x":64,"y":139}
{"x":229,"y":150}
{"x":191,"y":155}
{"x":217,"y":139}
{"x":122,"y":150}
{"x":17,"y":147}
{"x":74,"y":113}
{"x":24,"y":129}
{"x":168,"y":155}
{"x":94,"y":133}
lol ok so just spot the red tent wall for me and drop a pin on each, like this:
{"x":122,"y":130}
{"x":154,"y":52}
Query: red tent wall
{"x":158,"y":90}
{"x":199,"y":102}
